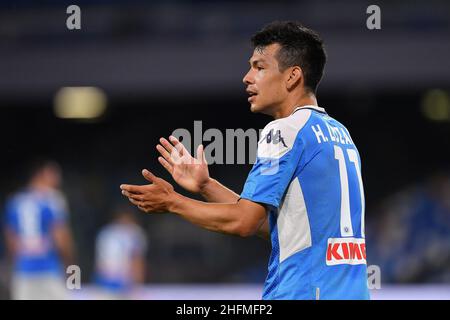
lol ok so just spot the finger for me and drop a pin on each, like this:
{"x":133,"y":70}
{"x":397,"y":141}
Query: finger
{"x":166,"y":144}
{"x":135,"y":202}
{"x":178,"y":145}
{"x":132,"y":188}
{"x":165,"y":164}
{"x":164,"y":153}
{"x":149,"y":176}
{"x":201,"y":158}
{"x":176,"y":151}
{"x":174,"y":140}
{"x":204,"y":158}
{"x":137,"y":197}
{"x":142,"y":208}
{"x":175,"y":157}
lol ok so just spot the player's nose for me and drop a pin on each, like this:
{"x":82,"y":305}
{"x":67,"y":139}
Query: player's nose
{"x":248,"y":79}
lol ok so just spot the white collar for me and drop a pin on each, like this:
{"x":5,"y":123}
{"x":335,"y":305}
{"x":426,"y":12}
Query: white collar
{"x":317,"y":108}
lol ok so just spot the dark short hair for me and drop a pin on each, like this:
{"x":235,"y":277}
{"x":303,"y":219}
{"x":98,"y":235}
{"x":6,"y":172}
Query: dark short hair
{"x":300,"y":46}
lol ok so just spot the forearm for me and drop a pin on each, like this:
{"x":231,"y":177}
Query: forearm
{"x":214,"y":191}
{"x":64,"y":244}
{"x":11,"y":243}
{"x":219,"y":217}
{"x":263,"y":231}
{"x":242,"y":217}
{"x":138,"y":266}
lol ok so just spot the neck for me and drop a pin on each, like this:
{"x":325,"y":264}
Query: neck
{"x":293,"y":102}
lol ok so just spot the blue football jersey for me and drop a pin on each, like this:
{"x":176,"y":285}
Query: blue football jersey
{"x":31,"y":216}
{"x":308,"y":174}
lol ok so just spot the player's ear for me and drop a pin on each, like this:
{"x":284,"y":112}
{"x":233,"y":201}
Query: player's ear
{"x":294,"y":77}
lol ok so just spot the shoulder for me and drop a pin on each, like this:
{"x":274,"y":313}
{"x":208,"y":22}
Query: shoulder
{"x":56,"y":201}
{"x":20,"y":199}
{"x":290,"y":125}
{"x":135,"y":232}
{"x":106,"y":232}
{"x":279,"y":136}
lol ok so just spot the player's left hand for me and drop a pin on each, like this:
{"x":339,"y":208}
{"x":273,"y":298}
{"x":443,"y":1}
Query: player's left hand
{"x":154,"y":197}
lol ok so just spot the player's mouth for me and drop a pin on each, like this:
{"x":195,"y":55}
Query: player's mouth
{"x":252,"y":95}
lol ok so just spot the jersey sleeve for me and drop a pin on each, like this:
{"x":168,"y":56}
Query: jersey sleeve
{"x":280,"y":149}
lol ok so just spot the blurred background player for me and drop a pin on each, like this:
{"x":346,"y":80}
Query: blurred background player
{"x":37,"y":235}
{"x":120,"y":257}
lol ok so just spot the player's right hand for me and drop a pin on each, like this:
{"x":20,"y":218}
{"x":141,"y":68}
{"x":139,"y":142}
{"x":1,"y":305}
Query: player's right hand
{"x":189,"y":172}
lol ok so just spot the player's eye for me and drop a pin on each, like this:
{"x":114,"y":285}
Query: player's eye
{"x":259,"y":68}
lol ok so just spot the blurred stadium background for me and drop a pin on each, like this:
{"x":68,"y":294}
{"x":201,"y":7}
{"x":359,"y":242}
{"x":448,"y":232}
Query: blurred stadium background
{"x":161,"y":65}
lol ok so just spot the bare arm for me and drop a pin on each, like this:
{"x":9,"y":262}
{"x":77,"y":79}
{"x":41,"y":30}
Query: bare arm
{"x":64,"y":243}
{"x":264,"y":230}
{"x":11,"y":242}
{"x":138,"y":267}
{"x":214,"y":191}
{"x":242,"y":218}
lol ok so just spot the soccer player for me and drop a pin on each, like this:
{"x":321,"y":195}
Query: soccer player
{"x":38,"y":236}
{"x":120,"y":257}
{"x":304,"y":192}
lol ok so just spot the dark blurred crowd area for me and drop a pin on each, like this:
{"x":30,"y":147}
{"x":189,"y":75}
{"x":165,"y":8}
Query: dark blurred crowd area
{"x":409,"y":238}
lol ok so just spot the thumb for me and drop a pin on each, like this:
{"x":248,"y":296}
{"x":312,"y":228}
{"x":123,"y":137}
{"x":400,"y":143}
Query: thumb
{"x":201,"y":158}
{"x":149,"y":176}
